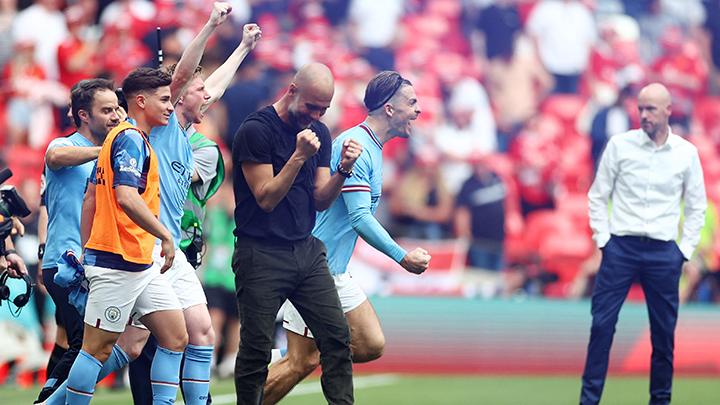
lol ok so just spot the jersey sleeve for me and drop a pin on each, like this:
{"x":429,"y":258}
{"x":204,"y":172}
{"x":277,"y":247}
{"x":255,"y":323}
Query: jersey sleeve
{"x":58,"y":142}
{"x":128,"y":158}
{"x":365,"y":224}
{"x":362,"y":170}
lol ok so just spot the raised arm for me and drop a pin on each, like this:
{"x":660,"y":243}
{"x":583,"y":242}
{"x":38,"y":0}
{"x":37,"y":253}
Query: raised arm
{"x":220,"y":79}
{"x":190,"y":58}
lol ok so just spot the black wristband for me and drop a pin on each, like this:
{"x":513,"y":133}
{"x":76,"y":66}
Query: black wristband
{"x":41,"y":251}
{"x":10,"y":251}
{"x":345,"y":173}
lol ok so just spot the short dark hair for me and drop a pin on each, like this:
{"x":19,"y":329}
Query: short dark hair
{"x":83,"y":94}
{"x":143,"y":79}
{"x":382,"y":87}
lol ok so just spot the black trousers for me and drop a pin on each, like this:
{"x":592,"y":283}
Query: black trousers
{"x":71,"y":319}
{"x":657,"y":265}
{"x":266,"y":275}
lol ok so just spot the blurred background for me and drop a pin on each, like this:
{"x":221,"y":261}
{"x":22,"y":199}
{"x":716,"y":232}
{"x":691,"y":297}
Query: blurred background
{"x":518,"y":99}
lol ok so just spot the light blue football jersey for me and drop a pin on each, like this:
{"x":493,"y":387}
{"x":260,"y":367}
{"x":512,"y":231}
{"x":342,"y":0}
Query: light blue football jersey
{"x":64,"y":194}
{"x":333,"y":225}
{"x":175,"y":163}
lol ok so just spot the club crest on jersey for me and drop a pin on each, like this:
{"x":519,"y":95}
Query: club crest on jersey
{"x":112,"y":314}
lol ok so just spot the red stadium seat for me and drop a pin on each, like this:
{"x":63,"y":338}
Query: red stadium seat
{"x":566,"y":108}
{"x":706,"y":114}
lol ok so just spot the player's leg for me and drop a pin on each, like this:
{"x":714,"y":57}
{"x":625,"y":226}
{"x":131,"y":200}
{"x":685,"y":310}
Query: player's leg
{"x":73,"y":325}
{"x":612,"y":283}
{"x":660,"y":280}
{"x":168,"y":327}
{"x":201,"y":335}
{"x":301,"y":359}
{"x":128,"y":344}
{"x":111,"y":299}
{"x":367,"y":341}
{"x":198,"y":354}
{"x":96,"y":348}
{"x":316,"y":299}
{"x":60,"y":346}
{"x":139,"y":368}
{"x":159,"y":309}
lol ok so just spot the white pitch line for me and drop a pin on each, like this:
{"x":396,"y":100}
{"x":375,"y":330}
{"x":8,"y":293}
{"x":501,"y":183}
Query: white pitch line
{"x":314,"y":387}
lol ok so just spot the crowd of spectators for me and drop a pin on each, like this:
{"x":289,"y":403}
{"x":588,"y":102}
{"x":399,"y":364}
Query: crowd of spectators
{"x":518,"y":98}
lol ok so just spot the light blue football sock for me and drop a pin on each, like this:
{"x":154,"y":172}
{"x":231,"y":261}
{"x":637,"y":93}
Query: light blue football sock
{"x":117,"y":360}
{"x":165,"y":375}
{"x":196,"y":374}
{"x":82,"y":379}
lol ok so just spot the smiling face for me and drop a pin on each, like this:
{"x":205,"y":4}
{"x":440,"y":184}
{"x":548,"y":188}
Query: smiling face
{"x":402,"y":109}
{"x":307,"y":105}
{"x":157,"y":106}
{"x":103,"y":115}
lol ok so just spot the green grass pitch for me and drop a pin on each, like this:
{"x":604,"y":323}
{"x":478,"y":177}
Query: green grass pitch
{"x":397,"y":389}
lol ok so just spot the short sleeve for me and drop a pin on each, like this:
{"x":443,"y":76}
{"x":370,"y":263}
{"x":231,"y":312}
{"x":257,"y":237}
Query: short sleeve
{"x":206,"y":160}
{"x":58,"y":142}
{"x":128,"y":158}
{"x":325,"y":152}
{"x":252,"y":143}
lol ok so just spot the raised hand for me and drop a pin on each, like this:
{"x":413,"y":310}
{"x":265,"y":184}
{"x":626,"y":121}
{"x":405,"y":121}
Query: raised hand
{"x":416,"y":261}
{"x":307,"y":144}
{"x":251,"y":35}
{"x":351,"y":151}
{"x":219,"y":13}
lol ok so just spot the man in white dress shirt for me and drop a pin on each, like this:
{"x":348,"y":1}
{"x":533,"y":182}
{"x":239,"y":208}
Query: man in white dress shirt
{"x":646,"y":173}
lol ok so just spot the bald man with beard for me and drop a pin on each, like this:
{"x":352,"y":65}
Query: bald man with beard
{"x":647,"y":173}
{"x":281,"y":178}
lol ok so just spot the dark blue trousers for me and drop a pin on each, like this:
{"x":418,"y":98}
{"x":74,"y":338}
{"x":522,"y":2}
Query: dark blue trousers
{"x":139,"y":373}
{"x":657,"y":266}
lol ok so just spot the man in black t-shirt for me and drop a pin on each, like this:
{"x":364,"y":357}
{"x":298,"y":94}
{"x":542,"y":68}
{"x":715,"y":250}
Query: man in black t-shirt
{"x":281,"y":177}
{"x":480,"y":217}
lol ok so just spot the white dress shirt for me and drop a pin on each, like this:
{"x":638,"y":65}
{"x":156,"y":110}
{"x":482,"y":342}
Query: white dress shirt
{"x":646,"y":184}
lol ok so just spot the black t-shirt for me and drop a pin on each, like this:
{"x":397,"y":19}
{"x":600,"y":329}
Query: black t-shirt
{"x":264,"y":138}
{"x":485,"y":198}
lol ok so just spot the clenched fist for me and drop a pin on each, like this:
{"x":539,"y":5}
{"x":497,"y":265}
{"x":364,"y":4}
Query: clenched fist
{"x":351,"y":151}
{"x":307,"y":144}
{"x":416,"y":261}
{"x":219,"y":13}
{"x":251,"y":35}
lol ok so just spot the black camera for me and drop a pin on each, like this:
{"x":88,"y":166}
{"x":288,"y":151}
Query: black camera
{"x":11,"y":205}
